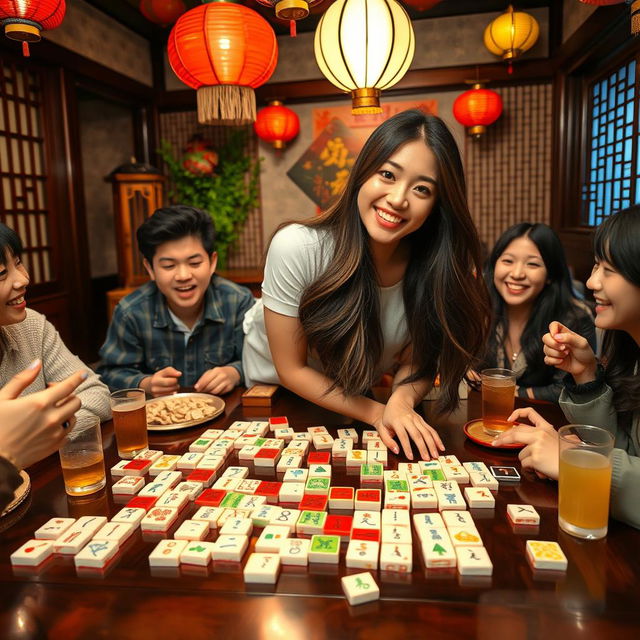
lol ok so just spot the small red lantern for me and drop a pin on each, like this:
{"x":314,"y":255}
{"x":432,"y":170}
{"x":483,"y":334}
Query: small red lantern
{"x":200,"y":158}
{"x":477,"y":108}
{"x":224,"y":51}
{"x":25,"y":20}
{"x":162,"y":12}
{"x":277,"y":124}
{"x":421,"y":5}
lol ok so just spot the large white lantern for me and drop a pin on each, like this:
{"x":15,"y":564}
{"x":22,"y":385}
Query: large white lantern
{"x":364,"y":46}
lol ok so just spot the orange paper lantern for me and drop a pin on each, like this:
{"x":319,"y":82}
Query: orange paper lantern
{"x":224,"y":51}
{"x":162,"y":12}
{"x":277,"y":124}
{"x":477,"y":108}
{"x":24,"y":20}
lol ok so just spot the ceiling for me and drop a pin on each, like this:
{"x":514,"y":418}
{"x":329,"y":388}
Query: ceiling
{"x":127,"y":13}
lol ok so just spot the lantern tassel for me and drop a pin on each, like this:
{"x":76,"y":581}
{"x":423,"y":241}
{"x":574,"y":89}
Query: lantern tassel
{"x":25,"y":49}
{"x":510,"y":68}
{"x":292,"y":28}
{"x":226,"y":104}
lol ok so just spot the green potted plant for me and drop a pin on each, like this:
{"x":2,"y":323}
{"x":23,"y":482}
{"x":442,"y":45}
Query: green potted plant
{"x":226,"y":185}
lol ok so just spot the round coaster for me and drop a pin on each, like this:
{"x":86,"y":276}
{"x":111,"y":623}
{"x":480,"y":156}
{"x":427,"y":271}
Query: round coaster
{"x":474,"y":430}
{"x":20,"y":494}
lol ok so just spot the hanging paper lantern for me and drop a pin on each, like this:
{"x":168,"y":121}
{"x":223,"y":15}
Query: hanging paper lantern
{"x":200,"y":158}
{"x":291,"y":10}
{"x":24,"y":20}
{"x":421,"y":5}
{"x":277,"y":124}
{"x":162,"y":12}
{"x":511,"y":34}
{"x":363,"y":47}
{"x":224,"y":51}
{"x":635,"y":11}
{"x":477,"y":108}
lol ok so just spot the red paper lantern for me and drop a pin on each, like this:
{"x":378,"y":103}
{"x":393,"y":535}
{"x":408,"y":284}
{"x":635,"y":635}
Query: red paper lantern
{"x":24,"y":20}
{"x":277,"y":124}
{"x":162,"y":12}
{"x":421,"y":5}
{"x":477,"y":108}
{"x":224,"y":51}
{"x":200,"y":158}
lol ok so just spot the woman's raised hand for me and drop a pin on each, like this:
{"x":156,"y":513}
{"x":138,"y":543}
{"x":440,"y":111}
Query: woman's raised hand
{"x":569,"y":352}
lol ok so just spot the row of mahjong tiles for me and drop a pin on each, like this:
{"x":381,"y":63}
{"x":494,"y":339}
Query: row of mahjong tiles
{"x":238,"y":504}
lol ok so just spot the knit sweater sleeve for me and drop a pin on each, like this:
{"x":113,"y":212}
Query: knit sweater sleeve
{"x":58,"y":363}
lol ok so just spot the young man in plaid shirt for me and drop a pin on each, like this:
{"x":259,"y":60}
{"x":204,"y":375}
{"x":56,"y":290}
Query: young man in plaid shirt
{"x":184,"y":327}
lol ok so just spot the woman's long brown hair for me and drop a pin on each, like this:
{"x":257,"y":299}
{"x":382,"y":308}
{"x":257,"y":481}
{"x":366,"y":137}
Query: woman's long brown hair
{"x":446,"y":302}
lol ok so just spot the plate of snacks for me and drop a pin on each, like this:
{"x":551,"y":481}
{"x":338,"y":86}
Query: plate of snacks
{"x":182,"y":410}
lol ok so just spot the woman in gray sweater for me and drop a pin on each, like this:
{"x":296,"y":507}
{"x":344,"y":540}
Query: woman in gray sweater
{"x":605,"y":396}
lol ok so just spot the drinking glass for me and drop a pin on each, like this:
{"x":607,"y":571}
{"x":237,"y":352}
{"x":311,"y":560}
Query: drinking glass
{"x":82,"y":459}
{"x":129,"y":411}
{"x":498,"y":393}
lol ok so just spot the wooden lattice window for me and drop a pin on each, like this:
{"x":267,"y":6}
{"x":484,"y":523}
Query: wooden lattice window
{"x":612,"y":177}
{"x":23,"y":174}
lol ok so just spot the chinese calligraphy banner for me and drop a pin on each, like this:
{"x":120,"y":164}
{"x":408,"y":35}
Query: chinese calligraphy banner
{"x":322,"y":170}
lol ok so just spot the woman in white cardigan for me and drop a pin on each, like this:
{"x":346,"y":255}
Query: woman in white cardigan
{"x":26,"y":335}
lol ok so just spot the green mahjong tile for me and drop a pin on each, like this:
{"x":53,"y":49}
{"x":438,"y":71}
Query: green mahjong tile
{"x":325,"y":544}
{"x":397,"y":485}
{"x":258,"y":442}
{"x":318,"y":483}
{"x":202,"y":442}
{"x":316,"y":518}
{"x":232,"y":500}
{"x":434,"y":474}
{"x":371,"y":470}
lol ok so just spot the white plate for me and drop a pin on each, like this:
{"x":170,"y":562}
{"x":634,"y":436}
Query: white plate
{"x":218,"y":404}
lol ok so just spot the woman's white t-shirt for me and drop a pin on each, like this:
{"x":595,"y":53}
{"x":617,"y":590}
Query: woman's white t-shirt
{"x":297,"y":256}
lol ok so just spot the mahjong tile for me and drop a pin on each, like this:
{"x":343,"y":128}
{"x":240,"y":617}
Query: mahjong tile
{"x":32,"y":553}
{"x":192,"y":530}
{"x":262,"y":568}
{"x":167,"y":553}
{"x":53,"y":528}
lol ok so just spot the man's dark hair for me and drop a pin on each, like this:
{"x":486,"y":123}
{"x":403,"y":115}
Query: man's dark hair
{"x":172,"y":223}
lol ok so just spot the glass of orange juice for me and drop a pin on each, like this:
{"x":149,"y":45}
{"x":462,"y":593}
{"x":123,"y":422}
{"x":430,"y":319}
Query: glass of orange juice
{"x":498,"y":393}
{"x":584,"y":482}
{"x":129,"y":410}
{"x":82,"y":459}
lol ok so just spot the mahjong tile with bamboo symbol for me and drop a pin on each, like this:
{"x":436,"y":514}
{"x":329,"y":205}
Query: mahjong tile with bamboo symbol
{"x":360,"y":588}
{"x":520,"y":514}
{"x":229,"y":548}
{"x":192,"y":530}
{"x":119,"y":532}
{"x":96,"y":554}
{"x":324,"y":549}
{"x":237,"y":526}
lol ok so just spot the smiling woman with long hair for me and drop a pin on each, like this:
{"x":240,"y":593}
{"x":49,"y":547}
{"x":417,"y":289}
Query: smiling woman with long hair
{"x":386,"y":279}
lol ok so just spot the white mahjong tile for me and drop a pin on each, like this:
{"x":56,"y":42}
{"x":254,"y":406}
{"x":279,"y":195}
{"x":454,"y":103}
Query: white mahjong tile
{"x":396,"y":534}
{"x":424,"y":499}
{"x":465,"y":536}
{"x":378,"y":457}
{"x":456,"y":473}
{"x":32,"y":553}
{"x":191,"y":489}
{"x":171,"y":478}
{"x":376,"y":445}
{"x":271,"y":538}
{"x":288,"y":462}
{"x":244,"y":441}
{"x":223,"y":446}
{"x":233,"y":435}
{"x":291,"y":492}
{"x":131,"y":515}
{"x":410,"y":469}
{"x":284,"y":433}
{"x":210,"y":463}
{"x":262,"y":515}
{"x":258,"y":427}
{"x":209,"y":515}
{"x":457,"y":519}
{"x":167,"y":553}
{"x":214,"y":434}
{"x":449,"y":459}
{"x":319,"y":471}
{"x":422,"y":521}
{"x":360,"y":588}
{"x":241,"y":425}
{"x":449,"y":496}
{"x":295,"y":475}
{"x":431,"y":536}
{"x":520,"y":514}
{"x":273,"y":443}
{"x":77,"y":536}
{"x":251,"y":502}
{"x":232,"y":513}
{"x":154,"y":489}
{"x":149,"y":454}
{"x":341,"y":446}
{"x":173,"y":500}
{"x":315,"y":431}
{"x":479,"y":479}
{"x":53,"y":528}
{"x":294,"y":551}
{"x":479,"y":497}
{"x":230,"y":548}
{"x":397,"y":500}
{"x":430,"y":465}
{"x":192,"y":530}
{"x":248,"y":452}
{"x":164,"y":463}
{"x":235,"y":472}
{"x":213,"y":452}
{"x":543,"y":554}
{"x":200,"y":445}
{"x":159,"y":519}
{"x":189,"y":460}
{"x":476,"y":467}
{"x":262,"y":568}
{"x":322,"y":442}
{"x":286,"y":518}
{"x":439,"y":553}
{"x":302,"y":437}
{"x":394,"y":474}
{"x":395,"y":517}
{"x":367,"y":520}
{"x":226,"y":483}
{"x":117,"y":531}
{"x":419,"y":482}
{"x":96,"y":554}
{"x":369,"y":434}
{"x":362,"y":554}
{"x":296,"y":448}
{"x":197,"y":552}
{"x":118,"y":469}
{"x":396,"y":557}
{"x":474,"y":561}
{"x":349,"y":433}
{"x":127,"y":485}
{"x":237,"y":526}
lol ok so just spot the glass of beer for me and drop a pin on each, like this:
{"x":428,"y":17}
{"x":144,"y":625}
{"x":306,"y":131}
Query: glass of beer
{"x":498,"y":393}
{"x":129,"y":410}
{"x":82,"y":459}
{"x":584,"y":483}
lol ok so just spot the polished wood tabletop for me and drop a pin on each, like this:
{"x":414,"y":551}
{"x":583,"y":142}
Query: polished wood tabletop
{"x":597,"y":597}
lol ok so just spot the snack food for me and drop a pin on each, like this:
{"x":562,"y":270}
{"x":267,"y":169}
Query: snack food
{"x":180,"y":409}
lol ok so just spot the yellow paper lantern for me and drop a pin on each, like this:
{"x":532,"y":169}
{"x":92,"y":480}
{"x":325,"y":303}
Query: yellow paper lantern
{"x":511,"y":34}
{"x":363,"y":47}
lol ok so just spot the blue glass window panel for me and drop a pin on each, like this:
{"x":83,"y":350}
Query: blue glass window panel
{"x":628,"y":148}
{"x":630,"y":112}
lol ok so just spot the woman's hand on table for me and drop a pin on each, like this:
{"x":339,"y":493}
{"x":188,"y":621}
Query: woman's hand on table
{"x":540,"y":453}
{"x":218,"y":380}
{"x":570,"y":352}
{"x":400,"y":419}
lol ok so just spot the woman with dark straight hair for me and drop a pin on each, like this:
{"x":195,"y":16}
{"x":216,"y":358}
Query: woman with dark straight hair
{"x":384,"y":280}
{"x":604,"y":396}
{"x":530,"y":285}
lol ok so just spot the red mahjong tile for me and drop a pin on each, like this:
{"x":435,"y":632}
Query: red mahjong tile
{"x":369,"y":495}
{"x":341,"y":493}
{"x":201,"y":475}
{"x":313,"y":503}
{"x":279,"y":420}
{"x":211,"y":497}
{"x":338,"y":525}
{"x":268,"y":489}
{"x":373,"y":535}
{"x":141,"y":502}
{"x":269,"y":454}
{"x":138,"y":465}
{"x":319,"y":457}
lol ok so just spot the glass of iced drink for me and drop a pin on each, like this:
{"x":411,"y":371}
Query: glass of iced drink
{"x":584,"y":482}
{"x":82,"y":459}
{"x":129,"y":410}
{"x":498,"y":393}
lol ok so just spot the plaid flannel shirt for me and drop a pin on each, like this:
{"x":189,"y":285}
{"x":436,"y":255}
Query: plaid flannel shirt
{"x":142,"y":338}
